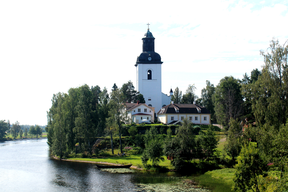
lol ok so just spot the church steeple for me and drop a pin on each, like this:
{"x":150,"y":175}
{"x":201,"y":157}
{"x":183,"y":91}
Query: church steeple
{"x":148,"y":55}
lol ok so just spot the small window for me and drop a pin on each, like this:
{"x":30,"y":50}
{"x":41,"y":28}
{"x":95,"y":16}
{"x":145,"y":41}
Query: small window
{"x":150,"y":105}
{"x":149,"y":75}
{"x":147,"y":118}
{"x":149,"y":99}
{"x":141,"y":118}
{"x":172,"y":118}
{"x":139,"y":110}
{"x":190,"y":118}
{"x":145,"y":110}
{"x":196,"y":118}
{"x":134,"y":110}
{"x":205,"y":118}
{"x":182,"y":118}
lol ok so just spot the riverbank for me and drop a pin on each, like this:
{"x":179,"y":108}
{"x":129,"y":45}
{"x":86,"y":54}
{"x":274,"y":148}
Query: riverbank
{"x":91,"y":161}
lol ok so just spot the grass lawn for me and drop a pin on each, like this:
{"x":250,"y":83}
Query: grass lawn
{"x":220,"y":180}
{"x":135,"y":160}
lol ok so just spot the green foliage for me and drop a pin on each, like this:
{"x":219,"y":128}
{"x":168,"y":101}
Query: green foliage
{"x":189,"y":97}
{"x":78,"y":117}
{"x":132,"y":131}
{"x":153,"y":148}
{"x":208,"y":143}
{"x":20,"y":133}
{"x":220,"y":180}
{"x":182,"y":148}
{"x":233,"y":145}
{"x":15,"y":129}
{"x":227,"y":100}
{"x":249,"y":169}
{"x":207,"y":95}
{"x":3,"y":129}
{"x":26,"y":132}
{"x":177,"y":95}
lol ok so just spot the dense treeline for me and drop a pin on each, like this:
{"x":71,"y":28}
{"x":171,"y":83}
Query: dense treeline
{"x":8,"y":131}
{"x":78,"y":117}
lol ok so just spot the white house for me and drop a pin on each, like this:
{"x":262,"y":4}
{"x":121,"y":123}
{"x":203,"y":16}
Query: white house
{"x":177,"y":112}
{"x":140,"y":112}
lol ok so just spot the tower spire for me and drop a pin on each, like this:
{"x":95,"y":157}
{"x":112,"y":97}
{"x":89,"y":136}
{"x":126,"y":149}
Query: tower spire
{"x":148,"y":25}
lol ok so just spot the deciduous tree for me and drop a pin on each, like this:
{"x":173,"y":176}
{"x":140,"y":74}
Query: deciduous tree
{"x":227,"y":100}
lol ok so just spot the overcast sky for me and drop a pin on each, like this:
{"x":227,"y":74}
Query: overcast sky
{"x":47,"y":47}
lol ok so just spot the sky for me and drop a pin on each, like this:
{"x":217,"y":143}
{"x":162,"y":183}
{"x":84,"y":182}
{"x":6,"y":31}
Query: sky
{"x":48,"y":47}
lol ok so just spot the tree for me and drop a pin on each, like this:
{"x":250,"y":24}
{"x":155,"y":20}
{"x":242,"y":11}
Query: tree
{"x":182,"y":148}
{"x":84,"y":127}
{"x":139,"y":98}
{"x":3,"y":129}
{"x":207,"y":98}
{"x":233,"y":145}
{"x":246,"y":90}
{"x":15,"y":129}
{"x":102,"y":109}
{"x":270,"y":92}
{"x":189,"y":97}
{"x":20,"y":133}
{"x":153,"y":148}
{"x":32,"y":130}
{"x":129,"y":94}
{"x":208,"y":143}
{"x":59,"y":137}
{"x":38,"y":131}
{"x":227,"y":100}
{"x":250,"y":166}
{"x":25,"y":132}
{"x":177,"y":95}
{"x":117,"y":114}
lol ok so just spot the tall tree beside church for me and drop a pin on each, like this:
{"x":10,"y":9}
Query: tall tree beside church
{"x":128,"y":92}
{"x":189,"y":97}
{"x":207,"y":99}
{"x":116,"y":113}
{"x":270,"y":92}
{"x":227,"y":100}
{"x":177,"y":95}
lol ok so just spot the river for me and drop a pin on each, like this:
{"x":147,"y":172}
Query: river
{"x":25,"y":165}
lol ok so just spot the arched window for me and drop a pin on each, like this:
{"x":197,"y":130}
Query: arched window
{"x":149,"y":75}
{"x":150,"y":105}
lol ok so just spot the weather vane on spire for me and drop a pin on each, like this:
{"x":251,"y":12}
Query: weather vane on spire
{"x":148,"y":25}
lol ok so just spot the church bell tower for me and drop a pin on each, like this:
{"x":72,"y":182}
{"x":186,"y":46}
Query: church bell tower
{"x":148,"y":73}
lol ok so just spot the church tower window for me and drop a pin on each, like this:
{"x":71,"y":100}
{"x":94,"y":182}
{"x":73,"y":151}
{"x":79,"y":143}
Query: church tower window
{"x":149,"y":75}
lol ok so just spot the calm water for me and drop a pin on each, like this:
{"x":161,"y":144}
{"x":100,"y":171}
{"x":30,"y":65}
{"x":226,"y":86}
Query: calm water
{"x":26,"y":166}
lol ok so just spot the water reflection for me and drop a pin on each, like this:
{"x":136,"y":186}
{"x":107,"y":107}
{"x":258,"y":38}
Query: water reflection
{"x":26,"y":166}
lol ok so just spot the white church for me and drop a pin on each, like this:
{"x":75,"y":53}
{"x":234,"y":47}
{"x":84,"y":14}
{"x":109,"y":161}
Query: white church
{"x":149,"y":84}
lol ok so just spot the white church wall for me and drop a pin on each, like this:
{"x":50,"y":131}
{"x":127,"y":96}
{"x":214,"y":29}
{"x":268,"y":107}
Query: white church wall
{"x":150,"y":89}
{"x":166,"y":100}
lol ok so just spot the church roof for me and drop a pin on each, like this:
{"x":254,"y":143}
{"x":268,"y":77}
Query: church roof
{"x":148,"y":55}
{"x":183,"y":108}
{"x":148,"y":34}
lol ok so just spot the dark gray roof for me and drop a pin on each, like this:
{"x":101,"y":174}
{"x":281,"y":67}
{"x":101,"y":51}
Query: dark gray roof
{"x":183,"y":108}
{"x":148,"y":34}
